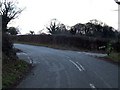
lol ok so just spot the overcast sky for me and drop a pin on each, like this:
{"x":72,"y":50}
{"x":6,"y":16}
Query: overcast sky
{"x":38,"y":13}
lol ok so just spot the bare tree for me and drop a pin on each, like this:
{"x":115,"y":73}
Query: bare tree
{"x":117,"y":1}
{"x":8,"y":11}
{"x":53,"y":28}
{"x":56,"y":27}
{"x":32,"y":32}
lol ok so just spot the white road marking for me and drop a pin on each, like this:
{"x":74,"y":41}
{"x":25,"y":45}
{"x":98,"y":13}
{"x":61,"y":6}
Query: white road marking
{"x":81,"y":66}
{"x":92,"y":86}
{"x":21,"y":53}
{"x":31,"y":61}
{"x":24,"y":53}
{"x":76,"y":65}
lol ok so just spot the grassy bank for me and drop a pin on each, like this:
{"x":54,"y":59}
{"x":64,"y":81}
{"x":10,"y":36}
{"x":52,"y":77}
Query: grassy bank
{"x":13,"y":72}
{"x":114,"y":56}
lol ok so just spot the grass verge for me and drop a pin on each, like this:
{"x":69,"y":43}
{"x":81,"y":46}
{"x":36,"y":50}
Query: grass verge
{"x":112,"y":58}
{"x":115,"y":57}
{"x":13,"y":72}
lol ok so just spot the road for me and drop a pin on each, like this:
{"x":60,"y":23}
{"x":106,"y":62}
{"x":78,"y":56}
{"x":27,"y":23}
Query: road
{"x":66,"y":69}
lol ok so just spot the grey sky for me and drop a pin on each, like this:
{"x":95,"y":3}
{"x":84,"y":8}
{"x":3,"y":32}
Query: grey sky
{"x":38,"y":13}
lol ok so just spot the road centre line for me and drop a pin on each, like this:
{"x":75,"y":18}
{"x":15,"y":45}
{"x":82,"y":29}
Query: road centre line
{"x":92,"y":86}
{"x":80,"y":66}
{"x":76,"y":65}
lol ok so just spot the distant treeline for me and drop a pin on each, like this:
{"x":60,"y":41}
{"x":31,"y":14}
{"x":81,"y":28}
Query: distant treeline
{"x":81,"y":42}
{"x":90,"y":36}
{"x":93,"y":28}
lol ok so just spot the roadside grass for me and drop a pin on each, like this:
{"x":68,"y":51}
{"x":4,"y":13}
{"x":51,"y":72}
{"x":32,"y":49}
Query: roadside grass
{"x":13,"y":72}
{"x":112,"y":58}
{"x":115,"y":57}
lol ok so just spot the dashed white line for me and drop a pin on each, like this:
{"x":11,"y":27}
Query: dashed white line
{"x":76,"y":65}
{"x":92,"y":86}
{"x":80,"y":66}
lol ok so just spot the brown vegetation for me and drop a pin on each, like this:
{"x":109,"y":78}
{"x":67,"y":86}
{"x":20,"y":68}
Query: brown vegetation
{"x":80,"y":42}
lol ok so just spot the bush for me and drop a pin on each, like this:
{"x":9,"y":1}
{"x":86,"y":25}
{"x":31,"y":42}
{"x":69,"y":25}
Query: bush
{"x":7,"y":48}
{"x":81,"y":42}
{"x":116,"y":46}
{"x":6,"y":44}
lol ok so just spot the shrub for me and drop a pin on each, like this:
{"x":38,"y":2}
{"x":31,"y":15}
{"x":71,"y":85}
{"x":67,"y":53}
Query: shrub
{"x":7,"y":48}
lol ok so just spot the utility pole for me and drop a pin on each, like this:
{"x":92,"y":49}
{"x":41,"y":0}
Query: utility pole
{"x":118,"y":2}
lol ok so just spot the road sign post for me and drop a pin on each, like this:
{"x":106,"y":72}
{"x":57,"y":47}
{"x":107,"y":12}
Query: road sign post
{"x":118,"y":2}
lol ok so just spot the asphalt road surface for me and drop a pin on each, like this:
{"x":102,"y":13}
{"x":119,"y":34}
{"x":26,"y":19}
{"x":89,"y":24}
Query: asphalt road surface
{"x":66,"y":69}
